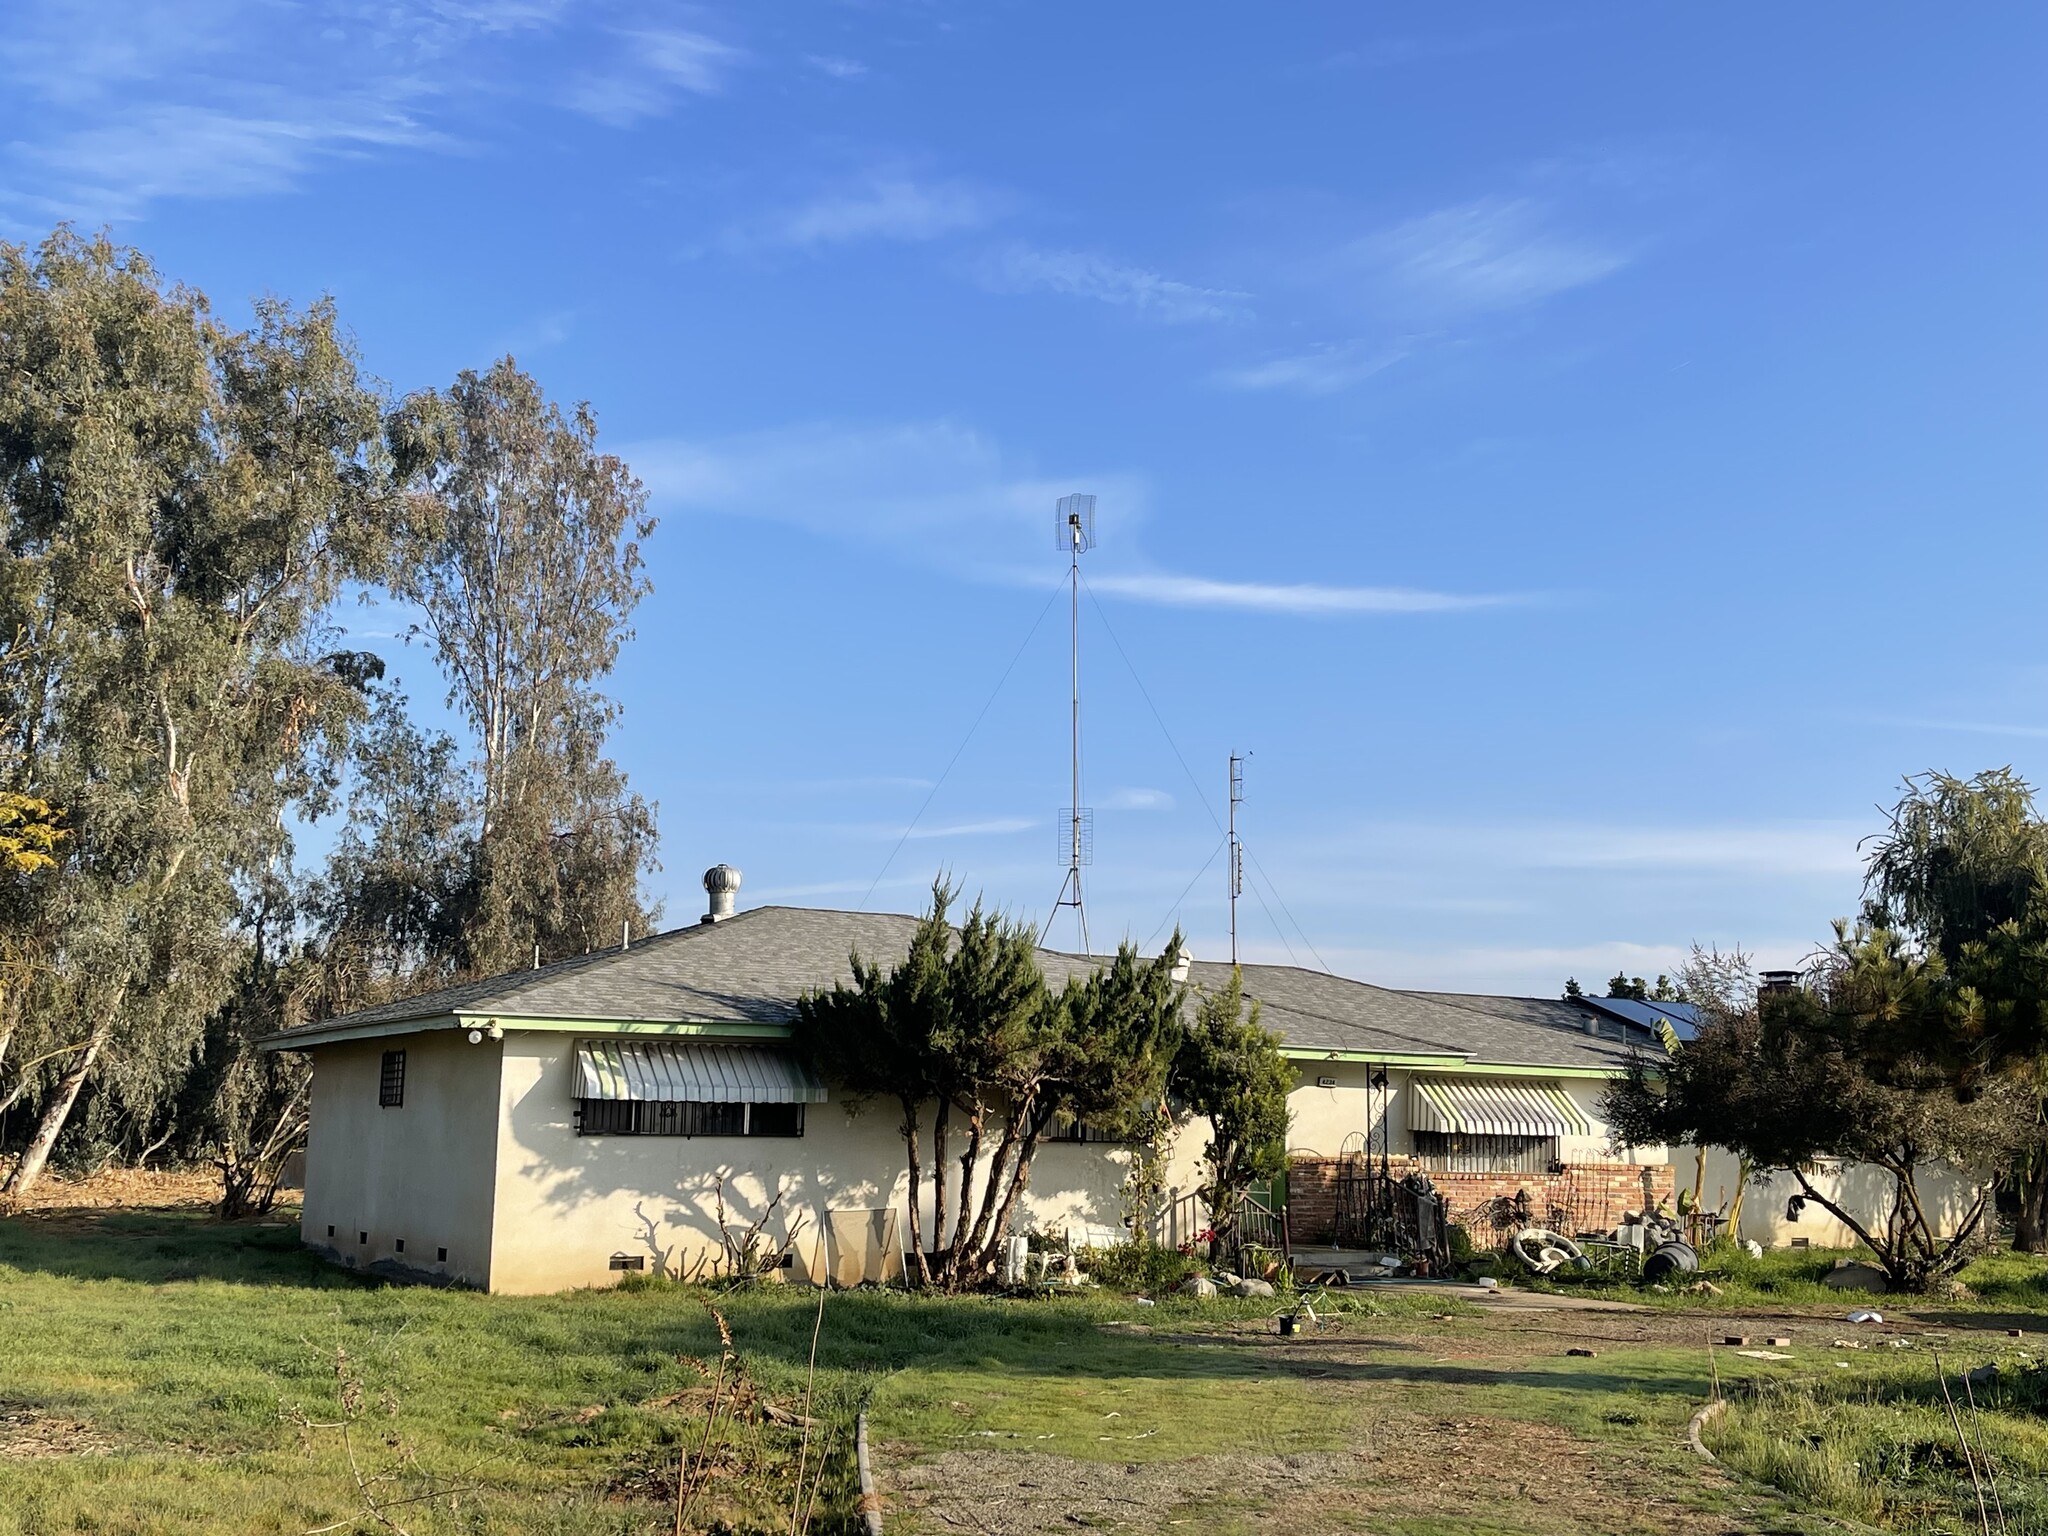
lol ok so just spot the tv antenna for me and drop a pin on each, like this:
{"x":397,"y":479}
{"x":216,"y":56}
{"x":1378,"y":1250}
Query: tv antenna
{"x":1236,"y":869}
{"x":1074,"y":532}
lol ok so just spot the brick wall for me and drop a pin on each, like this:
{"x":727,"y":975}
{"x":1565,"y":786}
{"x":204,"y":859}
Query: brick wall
{"x":1583,"y":1197}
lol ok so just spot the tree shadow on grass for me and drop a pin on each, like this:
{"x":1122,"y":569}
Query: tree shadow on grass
{"x":163,"y":1248}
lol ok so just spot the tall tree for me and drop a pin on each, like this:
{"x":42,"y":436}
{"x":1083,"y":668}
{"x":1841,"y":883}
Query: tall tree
{"x":181,"y":502}
{"x":1963,"y":870}
{"x":522,"y":556}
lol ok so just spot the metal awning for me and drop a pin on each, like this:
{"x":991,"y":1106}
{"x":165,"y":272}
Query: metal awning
{"x":673,"y":1072}
{"x":1492,"y":1106}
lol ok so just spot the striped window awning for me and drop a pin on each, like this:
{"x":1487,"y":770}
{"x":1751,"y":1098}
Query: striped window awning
{"x":1491,"y":1106}
{"x":660,"y":1071}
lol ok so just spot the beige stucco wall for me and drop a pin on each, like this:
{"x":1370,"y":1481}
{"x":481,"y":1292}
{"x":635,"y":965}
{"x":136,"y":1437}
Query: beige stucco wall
{"x":1863,"y":1190}
{"x":1328,"y":1120}
{"x":567,"y":1203}
{"x":419,"y":1174}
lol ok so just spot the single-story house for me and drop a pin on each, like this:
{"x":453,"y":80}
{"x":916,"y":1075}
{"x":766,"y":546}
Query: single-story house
{"x":561,"y":1126}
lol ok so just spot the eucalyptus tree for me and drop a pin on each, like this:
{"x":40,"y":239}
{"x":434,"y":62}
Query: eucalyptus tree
{"x":521,"y":555}
{"x":181,"y":501}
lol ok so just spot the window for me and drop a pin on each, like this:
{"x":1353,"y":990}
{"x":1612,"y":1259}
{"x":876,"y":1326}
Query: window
{"x":391,"y":1081}
{"x":1455,"y":1153}
{"x":629,"y":1261}
{"x":1067,"y":1128}
{"x":664,"y":1117}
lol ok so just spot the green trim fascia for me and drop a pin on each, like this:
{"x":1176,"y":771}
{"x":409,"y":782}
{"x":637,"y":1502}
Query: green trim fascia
{"x":735,"y":1030}
{"x":306,"y":1039}
{"x":1482,"y":1069}
{"x":1372,"y":1058}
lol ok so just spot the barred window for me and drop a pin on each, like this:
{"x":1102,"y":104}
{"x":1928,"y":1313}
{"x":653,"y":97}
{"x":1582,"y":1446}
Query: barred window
{"x":668,"y":1117}
{"x":391,"y":1081}
{"x":1453,"y":1152}
{"x":1067,"y":1128}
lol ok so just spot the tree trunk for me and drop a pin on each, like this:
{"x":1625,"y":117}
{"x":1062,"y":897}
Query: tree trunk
{"x":924,"y":1273}
{"x":37,"y":1154}
{"x":942,"y":1123}
{"x":2030,"y":1226}
{"x":1020,"y":1176}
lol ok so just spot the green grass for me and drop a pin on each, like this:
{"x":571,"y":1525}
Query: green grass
{"x":192,"y":1347}
{"x":184,"y":1355}
{"x":1791,"y":1277}
{"x":1881,"y":1447}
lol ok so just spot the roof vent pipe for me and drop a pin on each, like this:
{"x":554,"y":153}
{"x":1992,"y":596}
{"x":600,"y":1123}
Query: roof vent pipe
{"x":721,"y":884}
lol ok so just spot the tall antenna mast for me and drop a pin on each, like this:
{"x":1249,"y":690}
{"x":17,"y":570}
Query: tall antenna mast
{"x":1074,"y":532}
{"x":1236,"y":871}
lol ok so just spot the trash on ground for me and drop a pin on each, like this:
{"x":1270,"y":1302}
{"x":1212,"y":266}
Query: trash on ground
{"x":1762,"y":1354}
{"x":1866,"y":1317}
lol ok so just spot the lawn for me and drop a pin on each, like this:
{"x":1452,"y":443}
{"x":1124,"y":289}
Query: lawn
{"x":162,"y":1373}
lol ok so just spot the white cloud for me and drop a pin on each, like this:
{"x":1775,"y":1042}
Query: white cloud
{"x":1321,"y":370}
{"x":1490,"y":254}
{"x":1137,"y":800}
{"x":1181,"y":591}
{"x":1968,"y":727}
{"x":1790,"y":848}
{"x":882,"y":205}
{"x":947,"y":496}
{"x":656,"y":64}
{"x":997,"y":826}
{"x":1080,"y":274}
{"x":837,"y":68}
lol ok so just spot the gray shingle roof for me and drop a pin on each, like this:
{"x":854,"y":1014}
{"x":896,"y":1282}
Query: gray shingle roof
{"x":751,"y":968}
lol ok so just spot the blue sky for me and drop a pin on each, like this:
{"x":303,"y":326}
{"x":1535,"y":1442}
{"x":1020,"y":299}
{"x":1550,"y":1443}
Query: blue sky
{"x":1585,"y":454}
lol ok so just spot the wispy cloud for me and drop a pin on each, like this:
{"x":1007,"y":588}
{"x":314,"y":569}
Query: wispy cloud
{"x":995,"y":827}
{"x":1967,"y":727}
{"x":654,"y":66}
{"x":1136,"y":799}
{"x":945,"y":495}
{"x":836,"y":67}
{"x":1180,"y":591}
{"x":1085,"y":275}
{"x":1323,"y":370}
{"x":881,"y":205}
{"x":1490,"y":254}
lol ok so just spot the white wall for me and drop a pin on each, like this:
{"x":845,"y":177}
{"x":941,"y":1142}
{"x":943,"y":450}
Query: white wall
{"x":567,"y":1203}
{"x":1863,"y":1190}
{"x":420,"y":1174}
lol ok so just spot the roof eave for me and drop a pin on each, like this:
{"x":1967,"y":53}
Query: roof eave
{"x":340,"y":1032}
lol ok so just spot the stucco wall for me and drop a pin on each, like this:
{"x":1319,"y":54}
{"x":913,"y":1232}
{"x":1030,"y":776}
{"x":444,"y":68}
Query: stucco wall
{"x":567,"y":1203}
{"x":1863,"y":1190}
{"x":1325,"y":1119}
{"x":419,"y":1174}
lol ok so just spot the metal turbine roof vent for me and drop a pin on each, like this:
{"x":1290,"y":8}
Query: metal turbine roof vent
{"x":721,"y":884}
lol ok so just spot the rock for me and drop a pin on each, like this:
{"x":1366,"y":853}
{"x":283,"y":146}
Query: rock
{"x":1583,"y":1354}
{"x":1199,"y":1286}
{"x":1229,"y":1283}
{"x":1983,"y":1376}
{"x":1254,"y":1288}
{"x":1753,"y":1248}
{"x":1848,"y":1275}
{"x":1953,"y":1289}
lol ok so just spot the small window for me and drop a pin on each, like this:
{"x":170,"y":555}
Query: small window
{"x":441,"y":1255}
{"x":399,"y":1245}
{"x":391,"y":1081}
{"x":1453,"y":1152}
{"x":664,"y":1117}
{"x":633,"y":1261}
{"x":1067,"y":1128}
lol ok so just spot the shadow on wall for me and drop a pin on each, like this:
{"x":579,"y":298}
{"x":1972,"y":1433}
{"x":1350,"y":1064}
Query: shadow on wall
{"x":659,"y":1198}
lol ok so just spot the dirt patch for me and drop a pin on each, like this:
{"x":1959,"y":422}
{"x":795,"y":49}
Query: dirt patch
{"x":1506,"y":1474}
{"x":29,"y":1432}
{"x":122,"y":1188}
{"x":999,"y":1493}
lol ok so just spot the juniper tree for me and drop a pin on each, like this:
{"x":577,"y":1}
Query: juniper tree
{"x":1229,"y":1071}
